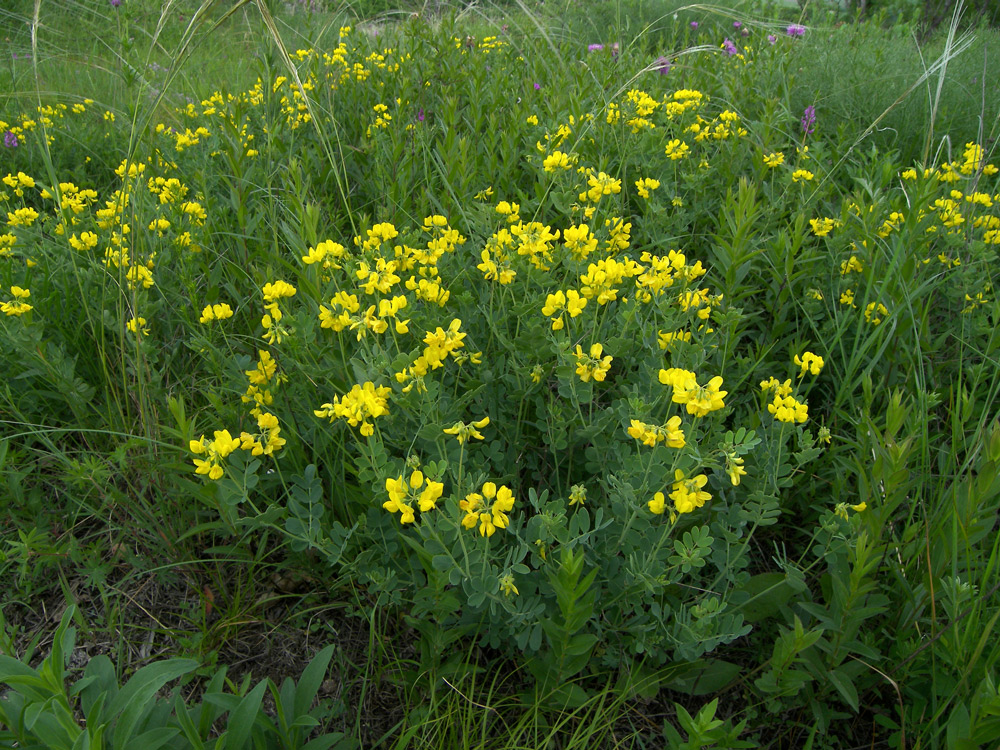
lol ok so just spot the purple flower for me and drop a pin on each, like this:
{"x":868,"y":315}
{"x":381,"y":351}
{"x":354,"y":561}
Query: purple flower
{"x":595,"y":47}
{"x":809,"y":120}
{"x":420,"y":115}
{"x":662,"y":64}
{"x":730,"y":48}
{"x":694,"y":24}
{"x":115,"y":3}
{"x":771,"y":38}
{"x":10,"y":140}
{"x":796,"y":30}
{"x":538,"y":86}
{"x":736,"y":24}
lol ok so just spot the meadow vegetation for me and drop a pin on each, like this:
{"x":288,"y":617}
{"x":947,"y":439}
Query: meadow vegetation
{"x":613,"y":374}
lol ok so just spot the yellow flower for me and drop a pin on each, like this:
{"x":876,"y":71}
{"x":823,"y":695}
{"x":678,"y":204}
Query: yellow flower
{"x":822,"y":227}
{"x":17,"y":307}
{"x":577,"y":494}
{"x":218,"y":449}
{"x":688,"y":493}
{"x":359,"y":406}
{"x":557,"y":160}
{"x":677,"y":149}
{"x":809,"y":362}
{"x":398,"y":493}
{"x":220,"y":311}
{"x":788,"y":409}
{"x":874,"y":313}
{"x":138,"y":325}
{"x":488,"y":508}
{"x":803,"y":175}
{"x":646,"y":185}
{"x":463,"y":431}
{"x":699,"y":399}
{"x":268,"y":440}
{"x":593,"y":366}
{"x":277,"y":289}
{"x":670,"y":433}
{"x":403,"y":493}
{"x":851,"y":265}
{"x":734,"y":467}
{"x":775,"y":159}
{"x":507,"y":585}
{"x":841,"y":509}
{"x":556,"y":304}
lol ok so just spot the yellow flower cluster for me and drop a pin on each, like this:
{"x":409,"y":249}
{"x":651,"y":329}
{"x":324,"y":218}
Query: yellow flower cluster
{"x":359,"y":406}
{"x":218,"y":311}
{"x":852,"y":265}
{"x":687,"y":494}
{"x":17,"y":306}
{"x":698,"y":399}
{"x":267,"y":440}
{"x":669,"y":433}
{"x":593,"y":365}
{"x":403,"y":494}
{"x":214,"y":452}
{"x":784,"y":406}
{"x":488,"y":507}
{"x":809,"y":362}
{"x":874,"y":312}
{"x":463,"y":431}
{"x":822,"y":227}
{"x":558,"y":304}
{"x":19,"y":183}
{"x":645,"y":186}
{"x":264,"y":375}
{"x":275,"y":291}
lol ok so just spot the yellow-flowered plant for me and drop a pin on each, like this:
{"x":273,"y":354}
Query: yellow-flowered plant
{"x":470,"y":431}
{"x":17,"y":306}
{"x":559,"y":304}
{"x":809,"y":362}
{"x":218,"y":311}
{"x":360,"y":406}
{"x":215,"y":451}
{"x":670,"y":433}
{"x":688,"y":493}
{"x":593,"y":365}
{"x":699,"y":400}
{"x":268,"y":438}
{"x":418,"y":490}
{"x":875,"y":312}
{"x":488,"y":508}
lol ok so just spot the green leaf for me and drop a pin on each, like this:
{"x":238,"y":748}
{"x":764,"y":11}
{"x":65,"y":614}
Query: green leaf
{"x":154,"y":738}
{"x":762,"y":596}
{"x":342,"y":741}
{"x":844,"y":686}
{"x":183,"y":715}
{"x":138,"y":693}
{"x":241,"y":720}
{"x":311,"y":680}
{"x":581,"y":644}
{"x":704,"y":677}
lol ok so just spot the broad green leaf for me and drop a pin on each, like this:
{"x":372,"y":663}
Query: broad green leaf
{"x":241,"y":720}
{"x":136,"y":696}
{"x":312,"y":678}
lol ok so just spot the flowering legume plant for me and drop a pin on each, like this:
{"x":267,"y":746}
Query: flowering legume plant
{"x":542,"y":367}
